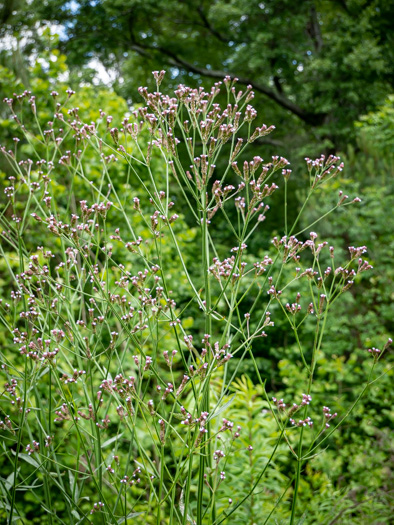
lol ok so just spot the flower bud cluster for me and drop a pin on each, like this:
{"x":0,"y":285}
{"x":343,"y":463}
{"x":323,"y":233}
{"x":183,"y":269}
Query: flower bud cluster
{"x":302,"y":422}
{"x":328,"y":416}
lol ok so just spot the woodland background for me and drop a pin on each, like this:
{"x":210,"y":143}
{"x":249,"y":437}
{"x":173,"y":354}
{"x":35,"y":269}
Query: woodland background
{"x":322,"y":72}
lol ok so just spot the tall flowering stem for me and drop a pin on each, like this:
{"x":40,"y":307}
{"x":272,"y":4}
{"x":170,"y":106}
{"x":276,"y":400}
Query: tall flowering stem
{"x":110,"y":381}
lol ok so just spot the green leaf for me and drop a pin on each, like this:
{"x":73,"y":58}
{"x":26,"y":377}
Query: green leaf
{"x":132,"y":515}
{"x":222,"y":408}
{"x":111,"y":440}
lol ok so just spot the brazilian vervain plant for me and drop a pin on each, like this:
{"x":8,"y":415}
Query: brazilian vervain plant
{"x":112,"y":411}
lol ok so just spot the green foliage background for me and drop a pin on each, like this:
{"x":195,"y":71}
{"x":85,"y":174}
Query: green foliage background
{"x":327,"y":69}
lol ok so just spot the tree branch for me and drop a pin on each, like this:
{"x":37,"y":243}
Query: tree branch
{"x":313,"y":119}
{"x":313,"y":30}
{"x":277,"y":84}
{"x":210,"y":28}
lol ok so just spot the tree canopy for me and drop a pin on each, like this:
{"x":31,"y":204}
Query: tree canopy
{"x":322,"y":63}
